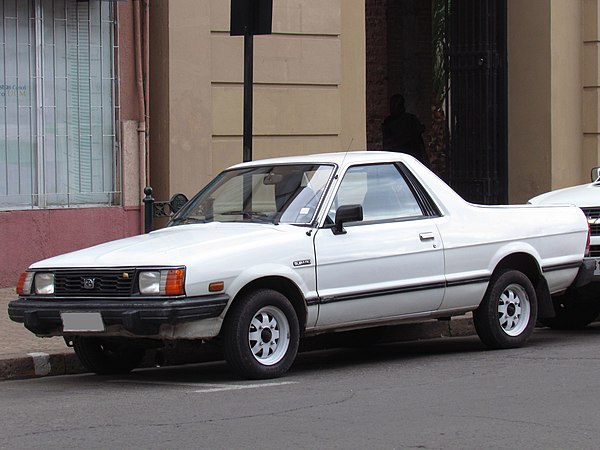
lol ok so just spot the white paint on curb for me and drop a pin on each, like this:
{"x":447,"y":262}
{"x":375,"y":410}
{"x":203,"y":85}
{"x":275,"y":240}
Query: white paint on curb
{"x":41,"y":363}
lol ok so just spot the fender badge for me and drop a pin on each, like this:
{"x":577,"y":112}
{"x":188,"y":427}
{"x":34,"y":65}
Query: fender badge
{"x":302,"y":262}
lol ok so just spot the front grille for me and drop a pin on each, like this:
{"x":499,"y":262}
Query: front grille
{"x":593,"y":215}
{"x":94,"y":282}
{"x":595,"y":251}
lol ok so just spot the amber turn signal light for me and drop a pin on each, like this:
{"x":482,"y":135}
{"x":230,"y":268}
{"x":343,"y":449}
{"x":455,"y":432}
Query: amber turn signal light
{"x":21,"y":284}
{"x":175,"y":284}
{"x":216,"y":287}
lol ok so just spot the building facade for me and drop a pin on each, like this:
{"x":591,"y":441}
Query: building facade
{"x":69,"y":120}
{"x":101,"y":98}
{"x":309,"y":87}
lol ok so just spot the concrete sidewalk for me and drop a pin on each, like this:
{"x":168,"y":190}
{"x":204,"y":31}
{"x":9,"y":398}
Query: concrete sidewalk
{"x":24,"y":355}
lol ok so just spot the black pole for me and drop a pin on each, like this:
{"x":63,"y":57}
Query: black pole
{"x":148,"y":209}
{"x":248,"y":82}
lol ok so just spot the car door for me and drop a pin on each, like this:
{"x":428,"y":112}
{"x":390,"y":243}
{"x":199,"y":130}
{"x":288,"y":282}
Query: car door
{"x":391,"y":263}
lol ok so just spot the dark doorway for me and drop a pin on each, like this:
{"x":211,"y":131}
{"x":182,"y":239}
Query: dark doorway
{"x":448,"y":59}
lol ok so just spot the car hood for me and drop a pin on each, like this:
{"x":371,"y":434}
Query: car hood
{"x":584,"y":195}
{"x":175,"y":246}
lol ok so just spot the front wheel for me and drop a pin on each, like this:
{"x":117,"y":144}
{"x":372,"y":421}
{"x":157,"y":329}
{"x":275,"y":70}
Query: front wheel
{"x":106,"y":357}
{"x":261,"y":335}
{"x":507,"y":314}
{"x":571,"y":317}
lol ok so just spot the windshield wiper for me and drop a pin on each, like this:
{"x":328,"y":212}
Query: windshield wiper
{"x":247,"y":214}
{"x":186,"y":220}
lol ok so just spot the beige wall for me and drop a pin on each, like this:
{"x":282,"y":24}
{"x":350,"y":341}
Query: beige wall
{"x":567,"y":93}
{"x":309,"y":93}
{"x":309,"y":87}
{"x":547,"y":99}
{"x":529,"y":99}
{"x":591,"y":83}
{"x":180,"y":105}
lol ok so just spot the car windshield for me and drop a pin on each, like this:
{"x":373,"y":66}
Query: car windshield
{"x":266,"y":194}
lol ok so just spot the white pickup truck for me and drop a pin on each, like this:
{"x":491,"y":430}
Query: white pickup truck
{"x":271,"y":251}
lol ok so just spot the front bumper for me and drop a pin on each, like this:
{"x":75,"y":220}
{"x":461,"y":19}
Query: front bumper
{"x":138,"y":316}
{"x":596,"y":261}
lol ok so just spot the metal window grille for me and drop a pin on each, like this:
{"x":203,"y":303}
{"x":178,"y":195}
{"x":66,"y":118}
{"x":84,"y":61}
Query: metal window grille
{"x":477,"y":102}
{"x":58,"y":143}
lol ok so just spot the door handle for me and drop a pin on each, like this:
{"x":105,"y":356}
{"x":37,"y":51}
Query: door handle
{"x":427,"y":236}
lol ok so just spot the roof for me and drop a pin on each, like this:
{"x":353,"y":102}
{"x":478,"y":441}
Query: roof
{"x":339,"y":158}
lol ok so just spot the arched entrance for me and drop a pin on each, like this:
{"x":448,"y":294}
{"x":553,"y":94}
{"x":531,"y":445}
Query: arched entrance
{"x":448,"y":59}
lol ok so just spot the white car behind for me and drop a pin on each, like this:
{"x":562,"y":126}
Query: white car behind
{"x":578,"y":307}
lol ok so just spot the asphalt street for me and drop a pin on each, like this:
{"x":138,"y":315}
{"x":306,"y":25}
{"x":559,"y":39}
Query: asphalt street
{"x":447,"y":393}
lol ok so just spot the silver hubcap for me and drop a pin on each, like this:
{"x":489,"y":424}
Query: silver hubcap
{"x":269,"y":335}
{"x":514,"y":310}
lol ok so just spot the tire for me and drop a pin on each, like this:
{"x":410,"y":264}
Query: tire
{"x":507,"y":314}
{"x":261,"y":335}
{"x":105,"y":357}
{"x":575,"y":309}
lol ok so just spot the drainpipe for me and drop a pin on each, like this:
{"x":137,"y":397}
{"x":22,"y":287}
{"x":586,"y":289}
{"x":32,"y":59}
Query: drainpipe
{"x":141,"y":129}
{"x":146,"y":41}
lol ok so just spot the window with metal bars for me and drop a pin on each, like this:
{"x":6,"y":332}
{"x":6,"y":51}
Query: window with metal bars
{"x":58,"y":146}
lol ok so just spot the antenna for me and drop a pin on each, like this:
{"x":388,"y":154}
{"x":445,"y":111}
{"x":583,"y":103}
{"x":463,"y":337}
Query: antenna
{"x":347,"y":150}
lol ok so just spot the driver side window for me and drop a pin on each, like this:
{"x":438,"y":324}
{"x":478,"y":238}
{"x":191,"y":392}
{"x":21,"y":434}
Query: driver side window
{"x":381,"y":190}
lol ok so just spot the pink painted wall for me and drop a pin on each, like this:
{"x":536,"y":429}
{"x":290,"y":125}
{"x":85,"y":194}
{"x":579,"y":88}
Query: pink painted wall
{"x":29,"y":236}
{"x":127,"y":81}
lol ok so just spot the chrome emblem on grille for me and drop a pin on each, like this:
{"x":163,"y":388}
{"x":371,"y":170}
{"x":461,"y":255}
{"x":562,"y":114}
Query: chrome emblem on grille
{"x":89,"y":283}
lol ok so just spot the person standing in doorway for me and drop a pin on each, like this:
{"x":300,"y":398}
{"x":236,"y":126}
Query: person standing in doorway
{"x":403,"y":132}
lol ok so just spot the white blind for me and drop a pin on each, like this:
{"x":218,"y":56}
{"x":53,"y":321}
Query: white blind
{"x":57,"y":112}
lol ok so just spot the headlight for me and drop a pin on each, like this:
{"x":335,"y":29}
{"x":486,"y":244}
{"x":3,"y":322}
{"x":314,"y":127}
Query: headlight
{"x":44,"y":283}
{"x":162,"y":282}
{"x":150,"y":282}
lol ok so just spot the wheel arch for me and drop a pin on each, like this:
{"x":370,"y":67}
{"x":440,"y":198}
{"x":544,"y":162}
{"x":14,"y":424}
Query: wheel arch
{"x":529,"y":266}
{"x":284,"y":286}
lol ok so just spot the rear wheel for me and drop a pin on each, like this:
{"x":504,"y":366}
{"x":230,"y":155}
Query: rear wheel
{"x":106,"y":357}
{"x":261,"y":335}
{"x":507,"y":314}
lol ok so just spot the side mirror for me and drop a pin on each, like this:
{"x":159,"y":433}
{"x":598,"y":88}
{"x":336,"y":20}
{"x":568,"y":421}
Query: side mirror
{"x":177,"y":202}
{"x":345,"y":214}
{"x":595,"y":173}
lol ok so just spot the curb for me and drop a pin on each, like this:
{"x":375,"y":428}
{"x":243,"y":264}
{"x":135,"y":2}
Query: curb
{"x":40,"y":364}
